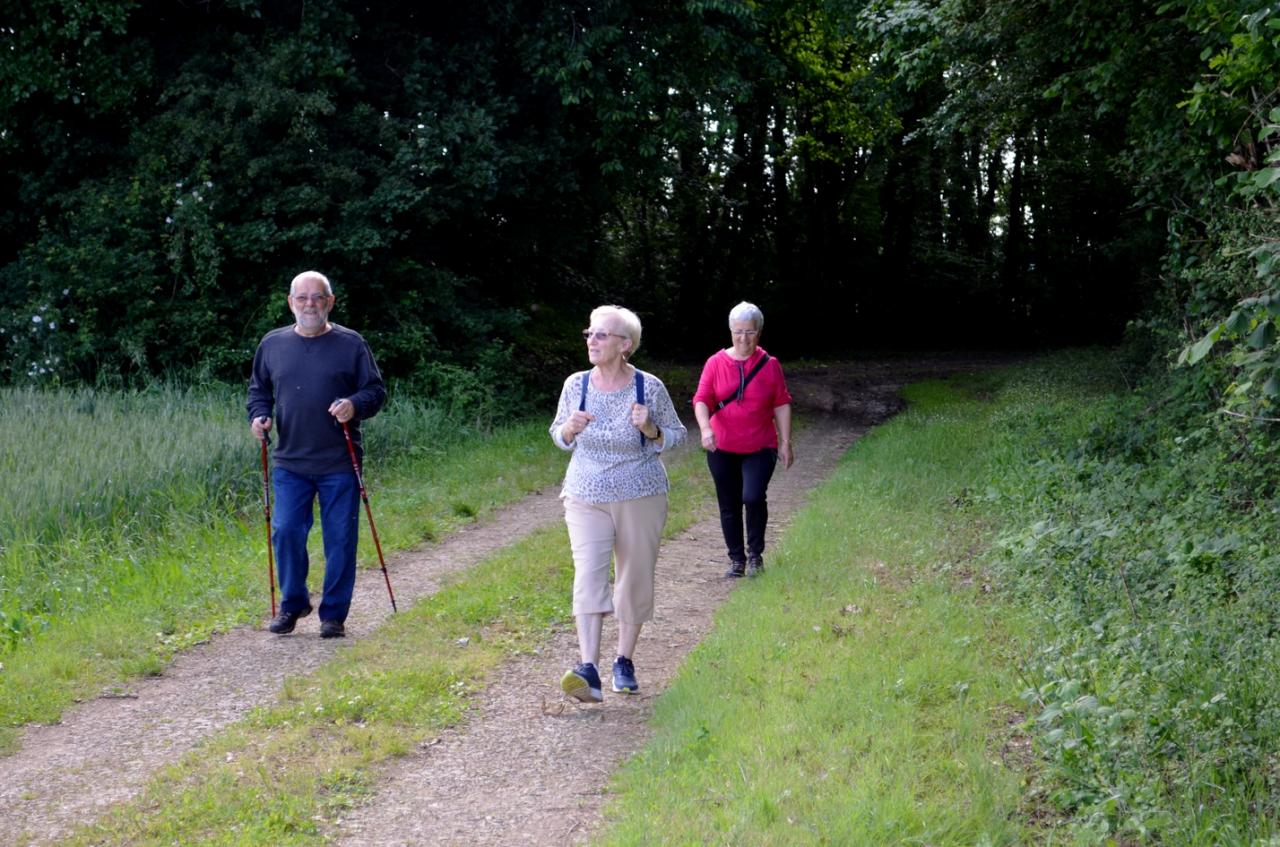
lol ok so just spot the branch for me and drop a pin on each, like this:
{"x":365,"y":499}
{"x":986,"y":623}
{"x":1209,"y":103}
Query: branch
{"x":1249,"y":417}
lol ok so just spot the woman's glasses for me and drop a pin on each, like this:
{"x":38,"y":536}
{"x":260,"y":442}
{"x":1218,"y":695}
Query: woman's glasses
{"x":745,"y":333}
{"x":598,"y":335}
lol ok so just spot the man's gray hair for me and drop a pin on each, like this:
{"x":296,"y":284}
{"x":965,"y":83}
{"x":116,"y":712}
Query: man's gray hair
{"x":745,"y":311}
{"x":328,"y":289}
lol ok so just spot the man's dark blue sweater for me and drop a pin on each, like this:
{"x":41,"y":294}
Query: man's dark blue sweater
{"x":296,"y":378}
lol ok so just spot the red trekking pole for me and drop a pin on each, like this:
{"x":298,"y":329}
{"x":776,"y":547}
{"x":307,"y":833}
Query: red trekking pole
{"x":355,"y":464}
{"x":266,"y":508}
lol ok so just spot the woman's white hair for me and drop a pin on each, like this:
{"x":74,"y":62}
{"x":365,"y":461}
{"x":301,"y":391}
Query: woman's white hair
{"x":745,"y":311}
{"x":630,"y":324}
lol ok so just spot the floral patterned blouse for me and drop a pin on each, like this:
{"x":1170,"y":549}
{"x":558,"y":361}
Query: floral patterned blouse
{"x":611,"y":460}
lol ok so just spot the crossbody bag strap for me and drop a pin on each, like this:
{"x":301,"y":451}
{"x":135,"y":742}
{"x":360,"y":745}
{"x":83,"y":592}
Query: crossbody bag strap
{"x":764,"y":359}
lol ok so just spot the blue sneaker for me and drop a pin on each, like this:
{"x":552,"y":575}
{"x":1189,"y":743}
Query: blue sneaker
{"x":624,"y":676}
{"x":583,"y":683}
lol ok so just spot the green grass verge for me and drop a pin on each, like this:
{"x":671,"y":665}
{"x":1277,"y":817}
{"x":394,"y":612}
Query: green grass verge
{"x":858,"y":693}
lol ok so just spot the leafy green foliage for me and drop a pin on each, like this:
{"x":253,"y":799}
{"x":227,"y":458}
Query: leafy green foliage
{"x":1237,"y":276}
{"x":1142,"y":527}
{"x":461,"y":177}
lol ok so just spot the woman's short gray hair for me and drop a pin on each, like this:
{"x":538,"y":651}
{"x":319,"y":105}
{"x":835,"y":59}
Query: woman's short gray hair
{"x":630,"y":324}
{"x":745,"y":311}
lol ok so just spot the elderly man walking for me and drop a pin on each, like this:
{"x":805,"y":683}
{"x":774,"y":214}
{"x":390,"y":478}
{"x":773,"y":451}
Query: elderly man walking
{"x":308,"y":380}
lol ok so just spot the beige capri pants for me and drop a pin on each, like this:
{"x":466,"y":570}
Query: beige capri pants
{"x":628,"y":530}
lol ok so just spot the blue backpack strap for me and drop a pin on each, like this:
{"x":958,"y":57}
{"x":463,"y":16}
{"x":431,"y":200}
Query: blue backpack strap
{"x":582,"y":404}
{"x":640,"y":396}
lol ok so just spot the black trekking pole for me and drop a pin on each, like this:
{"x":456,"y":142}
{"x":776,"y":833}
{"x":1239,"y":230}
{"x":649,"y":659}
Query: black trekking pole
{"x":355,"y":464}
{"x":266,"y":509}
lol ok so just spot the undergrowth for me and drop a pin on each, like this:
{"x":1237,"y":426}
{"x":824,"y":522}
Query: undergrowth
{"x":1142,"y":526}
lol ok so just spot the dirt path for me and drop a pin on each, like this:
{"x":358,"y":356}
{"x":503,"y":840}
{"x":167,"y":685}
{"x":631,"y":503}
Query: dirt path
{"x":104,"y":751}
{"x":516,"y":772}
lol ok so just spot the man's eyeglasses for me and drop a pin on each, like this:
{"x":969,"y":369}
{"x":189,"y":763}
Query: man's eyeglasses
{"x":598,"y":335}
{"x":310,"y":298}
{"x":745,"y":333}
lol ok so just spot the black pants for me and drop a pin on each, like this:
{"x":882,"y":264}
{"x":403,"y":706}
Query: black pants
{"x":741,"y":482}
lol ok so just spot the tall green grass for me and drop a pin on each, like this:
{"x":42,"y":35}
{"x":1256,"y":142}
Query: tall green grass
{"x":132,"y":523}
{"x":84,"y":459}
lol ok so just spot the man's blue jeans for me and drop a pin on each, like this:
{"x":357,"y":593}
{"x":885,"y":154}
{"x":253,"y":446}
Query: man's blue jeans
{"x":291,"y":521}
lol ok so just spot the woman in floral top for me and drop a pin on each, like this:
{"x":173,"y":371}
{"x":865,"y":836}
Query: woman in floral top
{"x":615,"y":420}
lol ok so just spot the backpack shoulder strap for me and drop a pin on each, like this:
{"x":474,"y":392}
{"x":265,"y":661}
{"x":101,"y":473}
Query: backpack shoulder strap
{"x":640,"y":397}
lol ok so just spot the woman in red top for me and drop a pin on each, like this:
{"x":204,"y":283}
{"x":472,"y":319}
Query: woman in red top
{"x":744,"y":411}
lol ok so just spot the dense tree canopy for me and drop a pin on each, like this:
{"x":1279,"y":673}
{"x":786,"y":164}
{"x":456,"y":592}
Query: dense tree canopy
{"x":908,"y":173}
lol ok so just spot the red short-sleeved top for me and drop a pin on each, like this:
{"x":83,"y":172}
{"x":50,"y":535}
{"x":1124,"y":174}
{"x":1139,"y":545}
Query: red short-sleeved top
{"x":744,"y":426}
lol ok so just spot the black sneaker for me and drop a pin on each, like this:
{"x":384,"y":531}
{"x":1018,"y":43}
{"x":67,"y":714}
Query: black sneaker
{"x":332,"y":629}
{"x":736,"y":569}
{"x":624,"y":676}
{"x":583,"y":683}
{"x":755,"y":565}
{"x":283,"y":623}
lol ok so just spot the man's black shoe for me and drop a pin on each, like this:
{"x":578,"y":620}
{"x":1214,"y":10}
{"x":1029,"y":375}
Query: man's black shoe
{"x":283,"y":623}
{"x":755,"y":564}
{"x":332,"y":629}
{"x":736,"y":569}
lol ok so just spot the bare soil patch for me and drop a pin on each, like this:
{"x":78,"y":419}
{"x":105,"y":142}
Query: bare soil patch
{"x":527,"y":767}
